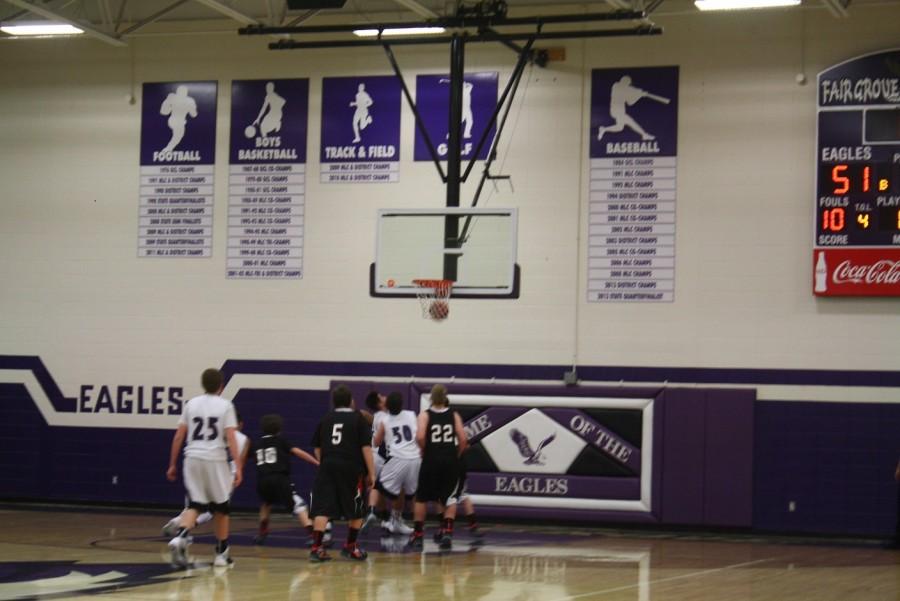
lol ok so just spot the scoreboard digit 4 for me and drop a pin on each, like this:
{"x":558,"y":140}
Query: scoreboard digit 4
{"x":857,"y":220}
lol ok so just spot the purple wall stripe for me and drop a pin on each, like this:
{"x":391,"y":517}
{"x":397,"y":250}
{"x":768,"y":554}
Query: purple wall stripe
{"x":687,"y":375}
{"x":60,"y":402}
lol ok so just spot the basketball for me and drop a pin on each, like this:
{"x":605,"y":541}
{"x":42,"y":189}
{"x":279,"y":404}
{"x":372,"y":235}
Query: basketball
{"x":249,"y":131}
{"x":439,"y":310}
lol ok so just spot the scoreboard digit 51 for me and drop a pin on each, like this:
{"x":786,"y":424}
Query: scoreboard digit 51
{"x":857,"y":239}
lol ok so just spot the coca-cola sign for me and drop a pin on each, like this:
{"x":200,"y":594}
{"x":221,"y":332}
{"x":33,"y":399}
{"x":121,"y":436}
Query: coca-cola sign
{"x":856,"y":272}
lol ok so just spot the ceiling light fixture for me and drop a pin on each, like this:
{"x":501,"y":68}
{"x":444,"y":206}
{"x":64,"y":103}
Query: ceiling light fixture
{"x":370,"y":33}
{"x":41,"y":28}
{"x":742,"y":4}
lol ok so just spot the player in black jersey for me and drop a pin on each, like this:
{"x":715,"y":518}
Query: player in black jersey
{"x":442,"y":439}
{"x":343,"y":444}
{"x":272,"y":454}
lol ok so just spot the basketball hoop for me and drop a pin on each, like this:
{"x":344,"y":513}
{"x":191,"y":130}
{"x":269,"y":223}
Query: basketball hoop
{"x":434,"y":297}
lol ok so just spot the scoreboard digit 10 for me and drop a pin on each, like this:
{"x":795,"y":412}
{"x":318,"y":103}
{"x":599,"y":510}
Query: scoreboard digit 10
{"x":857,"y":244}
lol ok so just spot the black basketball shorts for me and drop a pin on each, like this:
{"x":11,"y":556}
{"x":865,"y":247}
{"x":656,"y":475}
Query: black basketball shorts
{"x":338,"y":492}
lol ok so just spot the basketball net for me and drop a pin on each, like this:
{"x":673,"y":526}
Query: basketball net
{"x":434,"y":298}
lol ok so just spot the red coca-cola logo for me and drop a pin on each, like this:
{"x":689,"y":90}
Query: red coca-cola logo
{"x":880,"y":272}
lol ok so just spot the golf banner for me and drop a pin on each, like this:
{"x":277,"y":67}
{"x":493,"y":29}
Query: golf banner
{"x":267,"y":178}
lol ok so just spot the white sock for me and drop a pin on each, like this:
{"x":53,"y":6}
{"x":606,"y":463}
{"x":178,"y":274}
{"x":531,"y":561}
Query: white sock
{"x":204,"y":517}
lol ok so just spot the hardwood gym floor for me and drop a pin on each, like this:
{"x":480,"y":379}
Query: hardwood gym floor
{"x":66,"y":554}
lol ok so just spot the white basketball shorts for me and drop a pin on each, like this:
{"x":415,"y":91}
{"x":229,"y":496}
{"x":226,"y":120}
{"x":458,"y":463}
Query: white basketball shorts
{"x":400,"y":475}
{"x":207,"y":481}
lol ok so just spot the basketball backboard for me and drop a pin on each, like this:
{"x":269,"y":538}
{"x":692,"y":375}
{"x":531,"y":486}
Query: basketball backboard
{"x":413,"y":244}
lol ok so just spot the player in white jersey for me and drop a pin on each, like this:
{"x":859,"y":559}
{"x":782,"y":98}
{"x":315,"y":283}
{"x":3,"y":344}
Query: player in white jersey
{"x":400,"y":475}
{"x":172,"y":526}
{"x":375,"y":402}
{"x":209,"y":424}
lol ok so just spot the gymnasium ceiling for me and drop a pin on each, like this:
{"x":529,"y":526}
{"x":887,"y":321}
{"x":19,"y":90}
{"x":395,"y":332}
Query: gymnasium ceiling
{"x":117,"y":21}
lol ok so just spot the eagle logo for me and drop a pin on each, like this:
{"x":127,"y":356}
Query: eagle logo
{"x":532,"y":457}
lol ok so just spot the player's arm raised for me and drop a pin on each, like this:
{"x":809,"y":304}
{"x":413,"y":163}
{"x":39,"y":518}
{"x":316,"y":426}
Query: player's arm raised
{"x":462,"y":441}
{"x":379,"y":436}
{"x":301,"y":454}
{"x":177,"y":441}
{"x":421,"y":427}
{"x":233,"y":448}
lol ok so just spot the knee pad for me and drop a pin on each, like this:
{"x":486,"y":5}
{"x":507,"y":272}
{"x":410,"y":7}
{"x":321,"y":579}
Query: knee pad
{"x":223,"y":508}
{"x":198,"y":507}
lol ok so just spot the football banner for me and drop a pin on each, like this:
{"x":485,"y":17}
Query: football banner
{"x":178,"y":144}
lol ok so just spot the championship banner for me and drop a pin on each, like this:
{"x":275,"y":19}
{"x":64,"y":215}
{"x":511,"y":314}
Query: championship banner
{"x":267,"y":178}
{"x":433,"y":103}
{"x":557,"y":452}
{"x":178,"y":144}
{"x":633,"y":154}
{"x":360,"y":130}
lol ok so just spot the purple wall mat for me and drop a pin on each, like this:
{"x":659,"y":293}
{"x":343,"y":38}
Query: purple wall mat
{"x":683,"y":447}
{"x":835,"y":461}
{"x":728,"y":458}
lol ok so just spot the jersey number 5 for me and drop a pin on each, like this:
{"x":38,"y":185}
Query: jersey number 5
{"x":441,"y":433}
{"x":336,"y":434}
{"x":210,"y":426}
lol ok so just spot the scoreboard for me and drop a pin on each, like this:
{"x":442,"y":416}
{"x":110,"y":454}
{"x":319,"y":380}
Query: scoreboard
{"x":857,"y":204}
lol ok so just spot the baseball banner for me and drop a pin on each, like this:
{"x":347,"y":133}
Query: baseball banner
{"x":633,"y":148}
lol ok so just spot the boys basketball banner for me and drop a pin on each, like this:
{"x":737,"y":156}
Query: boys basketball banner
{"x":478,"y":104}
{"x":267,"y":178}
{"x":633,"y":147}
{"x":360,"y":129}
{"x":178,"y":143}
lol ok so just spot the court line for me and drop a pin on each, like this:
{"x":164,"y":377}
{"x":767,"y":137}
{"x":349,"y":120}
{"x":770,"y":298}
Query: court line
{"x":669,"y":579}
